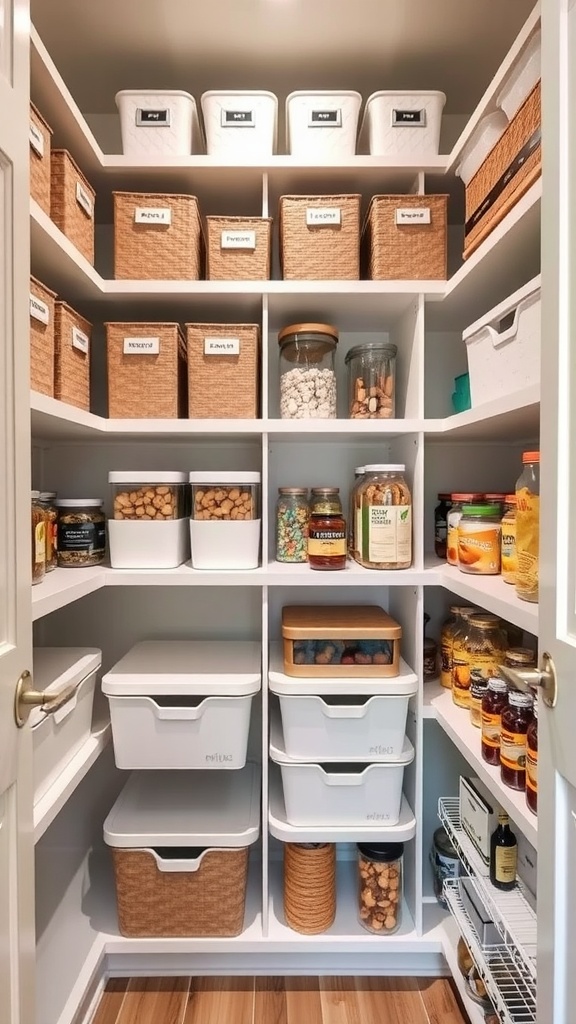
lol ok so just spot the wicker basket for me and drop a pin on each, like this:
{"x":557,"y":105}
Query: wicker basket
{"x":206,"y":902}
{"x":404,"y":238}
{"x":512,"y":166}
{"x":318,"y":245}
{"x":309,"y":886}
{"x":40,"y":143}
{"x":146,"y":371}
{"x":222,"y":371}
{"x":41,"y":338}
{"x":72,"y":365}
{"x":157,"y":237}
{"x":72,"y":202}
{"x":238,"y":248}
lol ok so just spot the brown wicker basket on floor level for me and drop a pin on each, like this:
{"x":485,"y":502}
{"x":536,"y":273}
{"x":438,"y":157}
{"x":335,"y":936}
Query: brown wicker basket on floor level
{"x":40,"y":143}
{"x":209,"y":901}
{"x":404,"y":238}
{"x":41,"y":338}
{"x":146,"y":371}
{"x":153,"y":245}
{"x":72,"y":201}
{"x":320,"y":251}
{"x":511,"y":167}
{"x":222,"y":371}
{"x":309,"y":886}
{"x":72,"y":362}
{"x":238,"y":248}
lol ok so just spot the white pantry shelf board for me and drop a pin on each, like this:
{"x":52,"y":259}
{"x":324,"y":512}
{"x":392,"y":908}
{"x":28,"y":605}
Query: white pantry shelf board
{"x":70,"y":777}
{"x":489,"y":592}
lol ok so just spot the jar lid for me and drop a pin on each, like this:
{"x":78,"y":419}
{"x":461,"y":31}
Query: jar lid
{"x":444,"y":843}
{"x":535,"y":706}
{"x":47,"y":495}
{"x":35,"y":494}
{"x":386,"y":852}
{"x":517,"y":699}
{"x":497,"y":685}
{"x":325,"y":490}
{"x":478,"y":686}
{"x":481,"y":510}
{"x":530,"y":457}
{"x":510,"y":499}
{"x":444,"y":496}
{"x":484,"y":620}
{"x":146,"y":477}
{"x":359,"y":470}
{"x":369,"y":347}
{"x":381,"y":467}
{"x":227,"y":477}
{"x":520,"y":656}
{"x":79,"y":502}
{"x":494,"y":496}
{"x":325,"y":329}
{"x":466,"y":495}
{"x":292,"y":490}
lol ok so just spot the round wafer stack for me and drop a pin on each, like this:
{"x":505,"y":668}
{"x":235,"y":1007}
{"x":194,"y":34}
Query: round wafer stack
{"x":309,"y":886}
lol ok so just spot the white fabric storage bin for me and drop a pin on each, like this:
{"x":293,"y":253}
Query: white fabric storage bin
{"x":322,"y":124}
{"x":183,"y":704}
{"x":403,"y":124}
{"x":136,"y":545}
{"x":522,"y":78}
{"x":58,"y":735}
{"x":240,"y":124}
{"x":480,"y":144}
{"x":504,"y":358}
{"x":158,"y":123}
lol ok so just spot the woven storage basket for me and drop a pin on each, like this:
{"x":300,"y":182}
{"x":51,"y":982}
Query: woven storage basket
{"x":404,"y":238}
{"x":72,"y":357}
{"x":309,"y":886}
{"x":40,"y":143}
{"x":511,"y":167}
{"x":157,"y":237}
{"x":222,"y":371}
{"x":206,"y":902}
{"x":322,"y":250}
{"x":238,"y":248}
{"x":41,"y":338}
{"x":72,"y":202}
{"x":146,"y":371}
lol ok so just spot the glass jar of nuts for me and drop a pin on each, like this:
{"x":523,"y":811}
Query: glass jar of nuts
{"x":371,"y":375}
{"x":380,"y":886}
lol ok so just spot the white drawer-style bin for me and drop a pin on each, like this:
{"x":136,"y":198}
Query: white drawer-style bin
{"x":402,"y":124}
{"x":504,"y":357}
{"x":322,"y":124}
{"x":67,"y":675}
{"x":158,"y":123}
{"x":183,"y":704}
{"x":240,"y":124}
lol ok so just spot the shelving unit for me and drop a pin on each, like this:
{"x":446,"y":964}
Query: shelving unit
{"x":47,"y":808}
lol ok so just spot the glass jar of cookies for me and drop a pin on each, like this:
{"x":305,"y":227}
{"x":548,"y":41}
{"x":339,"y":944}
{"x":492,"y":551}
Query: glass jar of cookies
{"x":385,"y":504}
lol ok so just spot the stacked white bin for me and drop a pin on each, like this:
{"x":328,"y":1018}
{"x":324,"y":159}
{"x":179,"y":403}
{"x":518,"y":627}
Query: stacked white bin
{"x":158,"y":123}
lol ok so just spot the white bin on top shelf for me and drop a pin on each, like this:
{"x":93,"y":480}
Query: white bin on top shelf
{"x":503,"y":347}
{"x":403,"y":124}
{"x":480,"y":144}
{"x":322,"y":124}
{"x":522,"y":78}
{"x":239,"y":124}
{"x":158,"y":123}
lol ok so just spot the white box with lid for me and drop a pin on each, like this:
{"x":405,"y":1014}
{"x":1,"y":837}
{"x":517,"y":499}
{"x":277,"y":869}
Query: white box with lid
{"x":524,"y":75}
{"x":149,"y":525}
{"x":183,"y":704}
{"x":225,"y":520}
{"x":158,"y":123}
{"x":322,"y":124}
{"x":402,"y":123}
{"x":240,"y":124}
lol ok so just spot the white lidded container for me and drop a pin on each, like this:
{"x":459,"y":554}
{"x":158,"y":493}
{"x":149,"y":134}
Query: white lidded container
{"x":183,"y":703}
{"x":522,"y":78}
{"x":158,"y":123}
{"x":504,"y":357}
{"x":482,"y":141}
{"x":240,"y":124}
{"x":402,"y":123}
{"x":67,"y":676}
{"x":322,"y":124}
{"x":149,"y":524}
{"x":225,"y":520}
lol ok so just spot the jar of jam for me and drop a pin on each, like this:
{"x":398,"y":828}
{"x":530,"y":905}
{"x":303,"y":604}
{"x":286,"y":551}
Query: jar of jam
{"x":447,"y":641}
{"x":441,"y":525}
{"x":532,"y":761}
{"x":516,"y":718}
{"x":457,"y":499}
{"x":520,"y":658}
{"x":460,"y":660}
{"x":509,"y":558}
{"x":478,"y":687}
{"x":479,"y":539}
{"x":493,"y":703}
{"x":326,"y":530}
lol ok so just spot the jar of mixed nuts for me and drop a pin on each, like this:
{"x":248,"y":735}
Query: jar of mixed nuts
{"x":81,"y":532}
{"x":386,"y":510}
{"x":292,"y":515}
{"x":380,"y":886}
{"x":47,"y":499}
{"x":38,"y":539}
{"x":371,"y":376}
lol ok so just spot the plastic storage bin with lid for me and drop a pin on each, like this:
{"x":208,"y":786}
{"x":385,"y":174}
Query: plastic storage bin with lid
{"x":240,"y":124}
{"x":180,"y":851}
{"x":158,"y":123}
{"x":183,"y":703}
{"x":405,"y":123}
{"x":525,"y":74}
{"x":149,"y":525}
{"x":483,"y":139}
{"x":225,"y":521}
{"x":322,"y":124}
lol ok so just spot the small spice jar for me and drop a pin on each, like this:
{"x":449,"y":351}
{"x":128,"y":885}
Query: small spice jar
{"x":516,"y":718}
{"x":520,"y":658}
{"x":326,"y":530}
{"x":441,"y":525}
{"x":81,"y":532}
{"x":509,"y":556}
{"x":528,"y":527}
{"x":47,"y":499}
{"x":371,"y":381}
{"x":478,"y":687}
{"x":386,"y":510}
{"x":38,"y":539}
{"x":355,"y":516}
{"x":532,"y":761}
{"x":445,"y":863}
{"x":380,"y":886}
{"x":479,"y":539}
{"x":457,"y":500}
{"x":307,"y":375}
{"x":493,"y":703}
{"x":292,"y":515}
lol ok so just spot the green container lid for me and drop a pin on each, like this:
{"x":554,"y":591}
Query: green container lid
{"x":481,"y":510}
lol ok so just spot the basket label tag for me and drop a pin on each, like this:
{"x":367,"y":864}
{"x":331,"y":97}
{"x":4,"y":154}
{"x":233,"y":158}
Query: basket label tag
{"x":221,"y":346}
{"x":83,"y":199}
{"x":152,"y":215}
{"x":152,"y":118}
{"x":316,"y":216}
{"x":238,"y":240}
{"x":39,"y":310}
{"x":409,"y":118}
{"x":80,"y":340}
{"x":237,"y":119}
{"x":141,"y":346}
{"x":36,"y":139}
{"x":413,"y":215}
{"x":330,"y":118}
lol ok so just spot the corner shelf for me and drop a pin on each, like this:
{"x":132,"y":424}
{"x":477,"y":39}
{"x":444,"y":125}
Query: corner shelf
{"x":46,"y":809}
{"x":490,"y":592}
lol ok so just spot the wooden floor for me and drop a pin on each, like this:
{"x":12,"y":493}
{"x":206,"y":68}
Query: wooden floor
{"x":279,"y":1001}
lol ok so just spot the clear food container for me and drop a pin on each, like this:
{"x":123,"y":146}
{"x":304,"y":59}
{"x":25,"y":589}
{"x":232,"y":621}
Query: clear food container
{"x":149,"y":526}
{"x":225,"y":520}
{"x":380,"y":886}
{"x":307,"y":374}
{"x":371,"y":381}
{"x":148,"y":496}
{"x":386,"y":509}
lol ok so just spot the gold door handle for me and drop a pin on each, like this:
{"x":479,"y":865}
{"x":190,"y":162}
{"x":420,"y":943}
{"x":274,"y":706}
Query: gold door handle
{"x":543,"y":679}
{"x":26,"y":698}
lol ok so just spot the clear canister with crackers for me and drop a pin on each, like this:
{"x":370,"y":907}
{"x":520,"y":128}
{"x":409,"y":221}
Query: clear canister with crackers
{"x":386,"y":513}
{"x":380,"y":886}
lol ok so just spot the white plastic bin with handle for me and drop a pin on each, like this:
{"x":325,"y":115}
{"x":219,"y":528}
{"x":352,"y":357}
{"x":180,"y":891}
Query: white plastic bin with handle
{"x":322,"y":124}
{"x":402,"y":124}
{"x":158,"y":123}
{"x":240,"y":124}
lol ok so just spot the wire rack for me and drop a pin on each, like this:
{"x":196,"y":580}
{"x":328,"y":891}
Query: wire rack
{"x":511,"y":911}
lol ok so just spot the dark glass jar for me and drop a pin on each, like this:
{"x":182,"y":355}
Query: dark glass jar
{"x":326,"y":530}
{"x":493,"y":703}
{"x":441,"y":525}
{"x":532,"y":761}
{"x":516,"y":718}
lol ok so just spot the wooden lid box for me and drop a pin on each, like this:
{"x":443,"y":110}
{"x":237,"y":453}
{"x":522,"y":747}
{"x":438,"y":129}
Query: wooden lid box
{"x":340,"y":641}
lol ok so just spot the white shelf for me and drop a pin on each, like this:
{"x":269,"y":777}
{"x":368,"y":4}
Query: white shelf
{"x":71,"y":776}
{"x":450,"y":935}
{"x":354,"y":575}
{"x":490,"y":592}
{"x":62,"y":587}
{"x":514,"y":417}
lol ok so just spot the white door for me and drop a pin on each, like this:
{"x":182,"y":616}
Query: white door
{"x":16,"y":842}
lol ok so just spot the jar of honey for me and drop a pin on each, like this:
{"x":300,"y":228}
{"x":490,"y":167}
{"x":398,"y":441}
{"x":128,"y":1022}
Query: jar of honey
{"x":460,"y":660}
{"x":516,"y":718}
{"x":493,"y":703}
{"x":532,"y":761}
{"x":447,"y":642}
{"x":326,"y":530}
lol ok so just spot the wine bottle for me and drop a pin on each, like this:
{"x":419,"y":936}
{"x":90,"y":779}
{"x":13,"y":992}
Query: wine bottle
{"x":503,"y":854}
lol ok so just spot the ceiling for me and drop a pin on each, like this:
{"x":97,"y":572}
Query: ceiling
{"x":280,"y":45}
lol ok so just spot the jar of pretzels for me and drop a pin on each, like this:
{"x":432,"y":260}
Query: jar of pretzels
{"x":380,"y":886}
{"x":385,"y":505}
{"x":371,"y":381}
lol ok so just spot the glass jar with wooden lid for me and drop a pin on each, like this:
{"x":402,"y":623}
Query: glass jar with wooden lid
{"x":340,"y":641}
{"x":307,"y":373}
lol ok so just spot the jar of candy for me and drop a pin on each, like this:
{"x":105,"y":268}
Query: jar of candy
{"x":292,"y":515}
{"x":307,"y":373}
